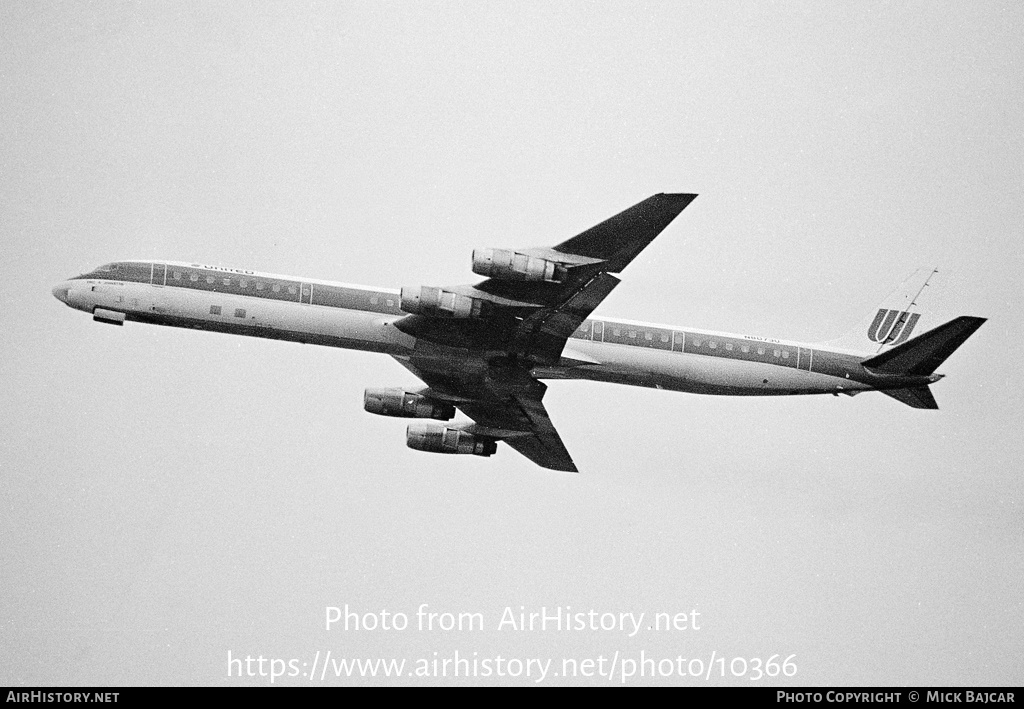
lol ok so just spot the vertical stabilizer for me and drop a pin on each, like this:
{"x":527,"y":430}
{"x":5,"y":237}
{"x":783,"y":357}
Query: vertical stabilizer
{"x":893,"y":321}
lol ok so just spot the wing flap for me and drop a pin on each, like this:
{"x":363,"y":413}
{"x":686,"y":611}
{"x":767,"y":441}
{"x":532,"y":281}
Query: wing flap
{"x":549,"y":329}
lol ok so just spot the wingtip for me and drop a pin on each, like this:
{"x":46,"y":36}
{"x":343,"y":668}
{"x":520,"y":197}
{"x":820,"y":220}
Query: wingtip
{"x":678,"y":197}
{"x":569,"y":467}
{"x":972,"y":322}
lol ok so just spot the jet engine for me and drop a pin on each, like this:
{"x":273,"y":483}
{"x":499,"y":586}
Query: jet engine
{"x":398,"y":402}
{"x":435,"y":438}
{"x":510,"y":265}
{"x":425,"y":300}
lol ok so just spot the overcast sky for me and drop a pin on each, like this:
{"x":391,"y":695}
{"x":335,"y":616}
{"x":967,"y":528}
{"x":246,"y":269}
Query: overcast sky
{"x":171,"y":496}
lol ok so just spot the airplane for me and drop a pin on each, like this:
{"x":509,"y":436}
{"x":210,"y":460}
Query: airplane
{"x":484,"y":348}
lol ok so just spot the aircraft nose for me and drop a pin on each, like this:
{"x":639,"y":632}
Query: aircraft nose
{"x":60,"y":292}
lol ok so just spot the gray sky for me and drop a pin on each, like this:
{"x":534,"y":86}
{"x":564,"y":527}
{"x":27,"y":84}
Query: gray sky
{"x":169,"y":496}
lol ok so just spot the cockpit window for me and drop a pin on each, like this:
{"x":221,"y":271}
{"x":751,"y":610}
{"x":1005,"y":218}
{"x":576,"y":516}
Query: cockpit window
{"x":102,"y":271}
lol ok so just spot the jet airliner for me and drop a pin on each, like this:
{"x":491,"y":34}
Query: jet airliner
{"x":484,"y":348}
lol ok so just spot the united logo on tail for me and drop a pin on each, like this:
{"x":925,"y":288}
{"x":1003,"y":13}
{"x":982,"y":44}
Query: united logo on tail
{"x":891,"y":327}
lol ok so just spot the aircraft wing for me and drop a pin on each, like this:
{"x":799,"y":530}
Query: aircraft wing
{"x":476,"y":344}
{"x":506,"y":404}
{"x":592,"y":256}
{"x":531,"y":319}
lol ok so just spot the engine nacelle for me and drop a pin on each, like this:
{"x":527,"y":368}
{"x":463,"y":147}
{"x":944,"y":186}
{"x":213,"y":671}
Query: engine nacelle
{"x":435,"y":438}
{"x":424,"y":300}
{"x":509,"y":265}
{"x":404,"y":404}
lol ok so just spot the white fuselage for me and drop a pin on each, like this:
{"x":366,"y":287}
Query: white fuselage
{"x":620,"y":351}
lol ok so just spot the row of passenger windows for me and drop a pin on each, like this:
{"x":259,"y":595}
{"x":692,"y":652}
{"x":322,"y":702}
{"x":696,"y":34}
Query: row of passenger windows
{"x":330,"y":296}
{"x":661,"y":338}
{"x":632,"y":334}
{"x":761,"y":350}
{"x":242,"y":282}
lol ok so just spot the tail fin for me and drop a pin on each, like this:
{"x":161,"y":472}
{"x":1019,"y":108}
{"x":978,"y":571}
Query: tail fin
{"x":894,"y":320}
{"x":923,"y":355}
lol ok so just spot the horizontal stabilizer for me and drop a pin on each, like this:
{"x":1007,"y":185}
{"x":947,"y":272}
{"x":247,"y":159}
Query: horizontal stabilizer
{"x":922,"y":355}
{"x":914,"y":397}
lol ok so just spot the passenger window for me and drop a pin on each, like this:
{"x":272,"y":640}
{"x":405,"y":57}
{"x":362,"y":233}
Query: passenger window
{"x":785,"y":354}
{"x":209,"y":279}
{"x":664,"y":338}
{"x":374,"y":300}
{"x":745,"y":348}
{"x":713,"y":344}
{"x":760,"y":350}
{"x":698,"y":343}
{"x":243,"y":283}
{"x":214,"y":310}
{"x":632,"y":333}
{"x":728,"y":345}
{"x":227,"y":281}
{"x":177,"y":275}
{"x":775,"y":353}
{"x":259,"y":285}
{"x":194,"y":277}
{"x":291,"y":289}
{"x":391,"y":303}
{"x":276,"y":288}
{"x":648,"y":336}
{"x":239,"y":312}
{"x":616,"y":331}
